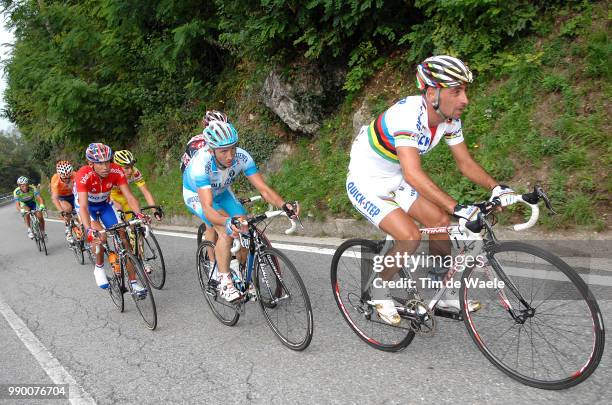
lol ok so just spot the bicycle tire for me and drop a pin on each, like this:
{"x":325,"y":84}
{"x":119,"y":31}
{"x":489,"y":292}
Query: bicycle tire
{"x":36,"y":231}
{"x":141,"y":301}
{"x":356,"y":311}
{"x":43,"y":243}
{"x":87,"y":248}
{"x":116,"y":287}
{"x":556,"y":273}
{"x":201,"y":230}
{"x":156,"y":283}
{"x":76,"y":245}
{"x":265,"y":300}
{"x":223,"y":311}
{"x":291,"y":293}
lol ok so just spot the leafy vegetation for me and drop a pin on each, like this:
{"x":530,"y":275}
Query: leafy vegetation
{"x":16,"y":160}
{"x":139,"y":74}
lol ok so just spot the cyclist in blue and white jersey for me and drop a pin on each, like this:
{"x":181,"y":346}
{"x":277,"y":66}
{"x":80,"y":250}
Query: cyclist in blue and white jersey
{"x":387,"y":184}
{"x":198,"y":142}
{"x":207,"y":193}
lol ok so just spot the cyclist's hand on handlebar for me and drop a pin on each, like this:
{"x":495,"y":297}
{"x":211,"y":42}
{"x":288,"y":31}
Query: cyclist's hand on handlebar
{"x":91,"y":234}
{"x":230,"y":227}
{"x":504,"y":194}
{"x":158,"y":214}
{"x":291,"y":208}
{"x":143,"y":217}
{"x":467,"y":212}
{"x":22,"y":212}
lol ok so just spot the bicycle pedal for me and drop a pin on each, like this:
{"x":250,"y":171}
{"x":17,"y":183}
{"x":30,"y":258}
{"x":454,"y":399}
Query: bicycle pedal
{"x":456,"y":316}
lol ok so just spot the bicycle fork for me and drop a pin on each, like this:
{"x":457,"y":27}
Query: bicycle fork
{"x":261,"y":263}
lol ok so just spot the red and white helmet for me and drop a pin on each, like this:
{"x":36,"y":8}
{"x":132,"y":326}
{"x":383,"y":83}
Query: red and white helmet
{"x":63,"y":168}
{"x":98,"y":153}
{"x":213,"y":115}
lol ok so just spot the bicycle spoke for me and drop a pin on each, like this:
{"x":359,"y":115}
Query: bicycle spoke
{"x":556,"y":342}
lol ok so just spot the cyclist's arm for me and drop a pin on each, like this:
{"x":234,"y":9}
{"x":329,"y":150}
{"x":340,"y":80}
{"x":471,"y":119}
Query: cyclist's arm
{"x":56,"y":202}
{"x":84,"y":209}
{"x":266,"y":191}
{"x":410,"y":161}
{"x":54,"y":194}
{"x":18,"y":206}
{"x":469,"y":168}
{"x":40,"y":200}
{"x":132,"y":201}
{"x":147,"y":194}
{"x":206,"y":199}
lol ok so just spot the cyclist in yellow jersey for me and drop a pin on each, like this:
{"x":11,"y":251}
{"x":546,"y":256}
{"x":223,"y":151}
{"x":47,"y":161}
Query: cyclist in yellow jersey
{"x":126,"y":160}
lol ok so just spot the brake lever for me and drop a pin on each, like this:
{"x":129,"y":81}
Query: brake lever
{"x":542,"y":194}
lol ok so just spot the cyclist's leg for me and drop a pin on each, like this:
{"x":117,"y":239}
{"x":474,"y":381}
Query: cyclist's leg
{"x":228,"y":203}
{"x":192,"y":202}
{"x":97,"y":248}
{"x":384,"y":204}
{"x":431,"y":216}
{"x":41,"y":220}
{"x":27,"y":207}
{"x":66,"y":203}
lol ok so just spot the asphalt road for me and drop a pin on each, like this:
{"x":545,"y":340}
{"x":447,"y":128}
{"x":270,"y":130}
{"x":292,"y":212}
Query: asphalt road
{"x":192,"y":358}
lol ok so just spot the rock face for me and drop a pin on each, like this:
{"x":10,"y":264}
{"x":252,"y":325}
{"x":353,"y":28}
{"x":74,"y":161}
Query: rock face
{"x":362,"y":117}
{"x":274,"y":162}
{"x":301,"y":96}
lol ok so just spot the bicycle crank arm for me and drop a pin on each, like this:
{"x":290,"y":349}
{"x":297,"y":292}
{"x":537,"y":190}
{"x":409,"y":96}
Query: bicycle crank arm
{"x":456,"y":316}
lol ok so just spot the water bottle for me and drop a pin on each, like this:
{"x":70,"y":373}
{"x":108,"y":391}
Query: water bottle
{"x":113,"y":258}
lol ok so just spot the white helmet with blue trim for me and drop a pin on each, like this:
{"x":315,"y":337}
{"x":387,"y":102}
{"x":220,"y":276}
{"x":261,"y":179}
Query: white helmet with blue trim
{"x":220,"y":134}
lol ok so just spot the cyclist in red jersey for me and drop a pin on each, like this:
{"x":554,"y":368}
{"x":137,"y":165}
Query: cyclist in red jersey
{"x":93,"y":184}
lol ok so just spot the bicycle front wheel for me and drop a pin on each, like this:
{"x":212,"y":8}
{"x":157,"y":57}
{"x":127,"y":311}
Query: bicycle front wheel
{"x":152,"y":260}
{"x":43,"y":243}
{"x":36,"y":231}
{"x":278,"y":282}
{"x":145,"y":303}
{"x":351,"y":270}
{"x":543,"y":327}
{"x":116,"y":288}
{"x":206,"y":270}
{"x":269,"y":299}
{"x":77,"y":245}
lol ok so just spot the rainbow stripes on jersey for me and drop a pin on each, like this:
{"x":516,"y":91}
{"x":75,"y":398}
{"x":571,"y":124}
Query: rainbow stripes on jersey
{"x":383,"y":141}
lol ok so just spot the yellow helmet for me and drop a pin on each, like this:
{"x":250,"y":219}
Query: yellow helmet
{"x":124,"y":158}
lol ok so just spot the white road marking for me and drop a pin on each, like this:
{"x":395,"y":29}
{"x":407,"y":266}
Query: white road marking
{"x":49,"y":364}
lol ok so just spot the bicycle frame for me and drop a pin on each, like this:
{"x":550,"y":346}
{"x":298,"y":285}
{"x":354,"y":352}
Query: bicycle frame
{"x":467,"y":242}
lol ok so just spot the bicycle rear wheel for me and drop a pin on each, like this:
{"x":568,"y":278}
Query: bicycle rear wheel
{"x":152,"y":260}
{"x":290,"y":318}
{"x":145,"y":303}
{"x":556,"y":337}
{"x":351,"y":270}
{"x":205,"y":268}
